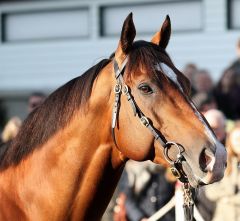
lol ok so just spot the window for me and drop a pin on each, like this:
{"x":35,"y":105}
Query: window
{"x":186,"y":16}
{"x":51,"y":24}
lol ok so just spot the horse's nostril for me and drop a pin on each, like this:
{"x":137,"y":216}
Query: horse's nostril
{"x":225,"y":165}
{"x":206,"y":160}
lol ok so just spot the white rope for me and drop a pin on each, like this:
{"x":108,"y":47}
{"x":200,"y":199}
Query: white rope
{"x":171,"y":203}
{"x":197,"y":215}
{"x":160,"y":213}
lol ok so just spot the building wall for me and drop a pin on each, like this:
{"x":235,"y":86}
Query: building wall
{"x":46,"y":43}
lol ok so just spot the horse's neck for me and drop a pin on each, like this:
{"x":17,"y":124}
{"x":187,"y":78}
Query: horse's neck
{"x":75,"y":173}
{"x":105,"y":165}
{"x":97,"y":186}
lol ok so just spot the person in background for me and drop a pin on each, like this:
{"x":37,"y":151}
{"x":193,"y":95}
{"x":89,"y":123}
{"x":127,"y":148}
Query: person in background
{"x":217,"y":121}
{"x":236,"y":63}
{"x":227,"y":93}
{"x":11,"y":129}
{"x":204,"y":102}
{"x":9,"y":132}
{"x":34,"y":100}
{"x":189,"y":71}
{"x":226,"y":193}
{"x":13,"y":125}
{"x":148,"y":187}
{"x":202,"y":81}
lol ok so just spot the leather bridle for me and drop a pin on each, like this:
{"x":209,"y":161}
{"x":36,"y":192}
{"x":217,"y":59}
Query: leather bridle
{"x":122,"y":88}
{"x":176,"y":165}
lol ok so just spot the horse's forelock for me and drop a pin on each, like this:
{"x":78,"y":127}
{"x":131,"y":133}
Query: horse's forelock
{"x":146,"y":55}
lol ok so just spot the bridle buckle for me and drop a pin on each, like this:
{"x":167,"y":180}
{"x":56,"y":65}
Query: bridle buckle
{"x":117,"y":88}
{"x":175,"y":172}
{"x":144,"y":121}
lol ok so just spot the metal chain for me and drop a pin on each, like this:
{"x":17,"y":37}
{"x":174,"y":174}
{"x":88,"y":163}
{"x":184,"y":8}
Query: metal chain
{"x":188,"y":203}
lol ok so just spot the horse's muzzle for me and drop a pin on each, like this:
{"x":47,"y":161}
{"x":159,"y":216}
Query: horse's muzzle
{"x":211,"y":166}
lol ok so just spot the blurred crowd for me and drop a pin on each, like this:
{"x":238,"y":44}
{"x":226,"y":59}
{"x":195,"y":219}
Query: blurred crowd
{"x":13,"y":125}
{"x":145,"y":188}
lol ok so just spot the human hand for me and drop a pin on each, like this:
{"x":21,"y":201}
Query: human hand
{"x":144,"y":219}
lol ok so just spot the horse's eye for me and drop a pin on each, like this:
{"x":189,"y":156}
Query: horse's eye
{"x":145,"y":89}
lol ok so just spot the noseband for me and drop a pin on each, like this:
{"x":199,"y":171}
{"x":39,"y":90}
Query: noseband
{"x":176,"y":165}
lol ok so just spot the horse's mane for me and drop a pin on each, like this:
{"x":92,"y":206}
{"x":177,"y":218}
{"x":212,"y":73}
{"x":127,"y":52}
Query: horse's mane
{"x":51,"y":116}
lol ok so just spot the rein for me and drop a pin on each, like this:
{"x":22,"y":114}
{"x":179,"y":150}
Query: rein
{"x":176,"y":165}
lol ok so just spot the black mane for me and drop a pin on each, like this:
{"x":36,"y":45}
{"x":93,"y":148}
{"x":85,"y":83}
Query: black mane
{"x":51,"y":116}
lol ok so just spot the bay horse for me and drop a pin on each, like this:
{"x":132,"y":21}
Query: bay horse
{"x":70,"y":152}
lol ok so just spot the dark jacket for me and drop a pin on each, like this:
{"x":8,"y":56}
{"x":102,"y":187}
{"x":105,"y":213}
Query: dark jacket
{"x":155,"y":193}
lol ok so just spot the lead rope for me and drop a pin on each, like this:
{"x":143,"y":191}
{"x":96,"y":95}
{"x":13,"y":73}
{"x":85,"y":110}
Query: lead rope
{"x":176,"y":167}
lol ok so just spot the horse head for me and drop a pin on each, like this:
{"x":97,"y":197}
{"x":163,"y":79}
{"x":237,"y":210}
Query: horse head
{"x":156,"y":118}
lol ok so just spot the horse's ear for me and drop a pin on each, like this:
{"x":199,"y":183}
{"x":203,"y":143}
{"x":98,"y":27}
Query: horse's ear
{"x":127,"y":36}
{"x":162,"y":37}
